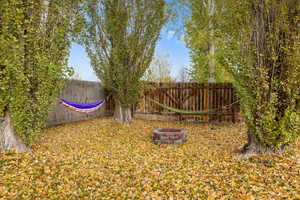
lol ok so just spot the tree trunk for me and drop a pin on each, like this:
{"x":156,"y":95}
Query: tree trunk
{"x":254,"y":146}
{"x":211,"y":61}
{"x":122,"y":114}
{"x":211,"y":43}
{"x":9,"y":140}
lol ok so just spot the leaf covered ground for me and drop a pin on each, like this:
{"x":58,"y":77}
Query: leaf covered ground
{"x":100,"y":159}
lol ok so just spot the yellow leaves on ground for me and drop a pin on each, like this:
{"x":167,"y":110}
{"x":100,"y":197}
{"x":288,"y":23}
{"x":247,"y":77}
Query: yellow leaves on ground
{"x":100,"y":159}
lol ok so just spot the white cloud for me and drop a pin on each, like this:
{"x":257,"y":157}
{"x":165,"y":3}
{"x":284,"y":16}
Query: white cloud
{"x":170,"y":34}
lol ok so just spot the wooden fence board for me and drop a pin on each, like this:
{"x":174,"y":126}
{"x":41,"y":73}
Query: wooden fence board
{"x":189,"y":96}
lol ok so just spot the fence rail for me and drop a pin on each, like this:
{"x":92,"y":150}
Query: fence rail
{"x":188,"y":96}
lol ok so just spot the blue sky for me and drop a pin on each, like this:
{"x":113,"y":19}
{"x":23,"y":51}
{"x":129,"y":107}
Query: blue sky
{"x":168,"y":44}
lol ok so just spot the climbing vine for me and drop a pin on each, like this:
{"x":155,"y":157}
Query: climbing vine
{"x":263,"y":43}
{"x":35,"y":37}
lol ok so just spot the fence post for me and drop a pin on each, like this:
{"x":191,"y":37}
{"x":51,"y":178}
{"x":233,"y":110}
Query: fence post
{"x":206,"y":101}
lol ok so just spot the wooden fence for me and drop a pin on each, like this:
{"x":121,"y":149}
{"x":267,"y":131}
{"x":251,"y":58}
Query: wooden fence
{"x":78,"y":91}
{"x":187,"y":96}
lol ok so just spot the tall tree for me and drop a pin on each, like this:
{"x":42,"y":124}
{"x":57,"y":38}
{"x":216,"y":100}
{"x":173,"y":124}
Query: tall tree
{"x":184,"y":75}
{"x":159,"y":70}
{"x":205,"y":41}
{"x":120,"y":38}
{"x":211,"y":10}
{"x":263,"y":39}
{"x":34,"y":45}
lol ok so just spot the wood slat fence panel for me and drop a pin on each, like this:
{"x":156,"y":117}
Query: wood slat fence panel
{"x":188,"y":96}
{"x":77,"y":91}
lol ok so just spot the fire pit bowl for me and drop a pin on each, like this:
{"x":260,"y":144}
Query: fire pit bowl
{"x":169,"y":136}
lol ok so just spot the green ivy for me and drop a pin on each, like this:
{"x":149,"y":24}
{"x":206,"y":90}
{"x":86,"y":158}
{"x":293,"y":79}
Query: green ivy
{"x":263,"y":57}
{"x":35,"y":37}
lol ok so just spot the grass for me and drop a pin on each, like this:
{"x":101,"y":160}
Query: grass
{"x":100,"y":159}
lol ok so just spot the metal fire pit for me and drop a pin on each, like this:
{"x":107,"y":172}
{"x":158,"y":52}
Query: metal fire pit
{"x":169,"y":136}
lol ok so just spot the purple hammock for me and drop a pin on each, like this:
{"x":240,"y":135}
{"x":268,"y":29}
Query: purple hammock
{"x":82,"y":107}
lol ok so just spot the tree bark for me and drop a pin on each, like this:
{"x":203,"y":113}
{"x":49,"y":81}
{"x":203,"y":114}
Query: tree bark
{"x":122,"y":114}
{"x":254,"y":146}
{"x":9,"y":140}
{"x":211,"y":43}
{"x":211,"y":61}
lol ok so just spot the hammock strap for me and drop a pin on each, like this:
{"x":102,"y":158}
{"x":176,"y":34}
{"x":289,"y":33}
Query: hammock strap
{"x":108,"y":96}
